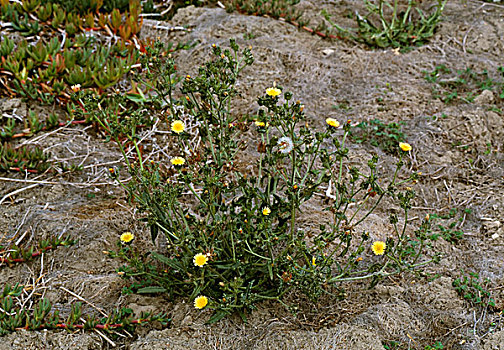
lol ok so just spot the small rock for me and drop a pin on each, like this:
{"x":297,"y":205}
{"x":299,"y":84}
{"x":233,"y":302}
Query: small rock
{"x":9,"y":104}
{"x":492,"y":225}
{"x":486,"y":97}
{"x":327,"y":52}
{"x":495,"y":236}
{"x":187,"y":321}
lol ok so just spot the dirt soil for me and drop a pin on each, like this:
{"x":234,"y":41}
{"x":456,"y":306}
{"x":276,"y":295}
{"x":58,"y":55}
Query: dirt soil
{"x":450,"y":147}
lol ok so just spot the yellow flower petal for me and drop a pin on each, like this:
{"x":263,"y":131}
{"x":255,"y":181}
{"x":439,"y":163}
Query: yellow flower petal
{"x":405,"y":146}
{"x":177,"y":161}
{"x":332,"y":122}
{"x":273,"y":92}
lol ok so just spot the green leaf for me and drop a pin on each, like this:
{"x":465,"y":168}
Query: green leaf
{"x":219,"y":315}
{"x":170,"y":262}
{"x":154,"y":232}
{"x":151,"y":290}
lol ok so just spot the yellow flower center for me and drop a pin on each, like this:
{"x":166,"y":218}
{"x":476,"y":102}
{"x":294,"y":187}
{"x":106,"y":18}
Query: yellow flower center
{"x":379,"y":247}
{"x":200,"y":260}
{"x":127,"y":237}
{"x":266,"y":211}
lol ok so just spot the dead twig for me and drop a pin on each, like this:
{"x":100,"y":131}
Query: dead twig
{"x":85,"y":301}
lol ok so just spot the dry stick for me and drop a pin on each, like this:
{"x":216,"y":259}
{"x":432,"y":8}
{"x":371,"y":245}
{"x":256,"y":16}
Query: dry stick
{"x":465,"y":38}
{"x":22,"y":223}
{"x":20,"y":239}
{"x":101,"y":334}
{"x":19,"y":190}
{"x":453,"y":329}
{"x":449,"y":193}
{"x":84,"y":300}
{"x":102,"y":164}
{"x":77,"y":184}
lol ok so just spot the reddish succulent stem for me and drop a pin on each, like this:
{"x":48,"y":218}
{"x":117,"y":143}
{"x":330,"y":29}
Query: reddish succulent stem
{"x":18,"y":260}
{"x":33,"y":171}
{"x":99,"y":326}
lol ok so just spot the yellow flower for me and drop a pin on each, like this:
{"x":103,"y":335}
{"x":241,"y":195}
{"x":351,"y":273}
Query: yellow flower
{"x":178,"y":126}
{"x":313,"y":261}
{"x":266,"y":211}
{"x":127,"y":237}
{"x":260,"y":124}
{"x":405,"y":146}
{"x":273,"y":92}
{"x":200,"y":302}
{"x":332,"y":122}
{"x":379,"y":247}
{"x":177,"y":161}
{"x":200,"y":260}
{"x":76,"y":87}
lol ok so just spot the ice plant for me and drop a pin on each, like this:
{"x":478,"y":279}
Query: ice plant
{"x":273,"y":92}
{"x":332,"y":122}
{"x":127,"y":237}
{"x":406,"y":147}
{"x":177,"y":161}
{"x":200,"y":302}
{"x":178,"y":126}
{"x":200,"y":260}
{"x":285,"y":145}
{"x":379,"y":247}
{"x":266,"y":211}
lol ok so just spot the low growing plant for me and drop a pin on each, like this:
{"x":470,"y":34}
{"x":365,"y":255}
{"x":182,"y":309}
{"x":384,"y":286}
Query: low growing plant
{"x":25,"y":158}
{"x":377,"y":133}
{"x":284,"y":9}
{"x":14,"y":254}
{"x":16,"y":315}
{"x":449,"y":229}
{"x":473,"y":289}
{"x":464,"y":85}
{"x":389,"y":24}
{"x":232,"y":233}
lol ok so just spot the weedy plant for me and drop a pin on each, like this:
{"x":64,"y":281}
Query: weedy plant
{"x":274,"y":8}
{"x":379,"y":134}
{"x":453,"y":221}
{"x":232,"y":235}
{"x":464,"y":85}
{"x":392,"y":24}
{"x":436,"y":346}
{"x":471,"y":288}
